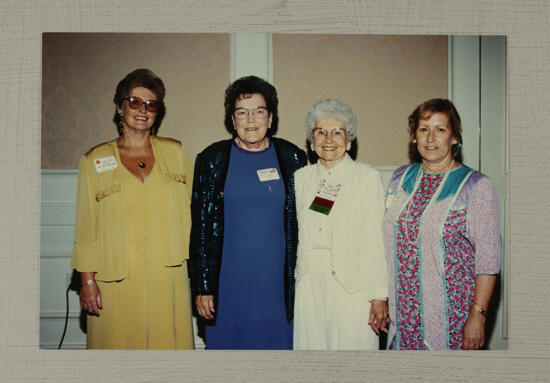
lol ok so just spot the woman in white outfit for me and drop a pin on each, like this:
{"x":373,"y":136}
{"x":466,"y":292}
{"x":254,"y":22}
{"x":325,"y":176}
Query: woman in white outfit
{"x":341,"y":285}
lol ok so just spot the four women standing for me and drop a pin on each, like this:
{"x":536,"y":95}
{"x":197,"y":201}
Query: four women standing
{"x":441,"y":232}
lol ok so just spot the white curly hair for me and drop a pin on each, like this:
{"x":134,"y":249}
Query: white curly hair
{"x":331,"y":108}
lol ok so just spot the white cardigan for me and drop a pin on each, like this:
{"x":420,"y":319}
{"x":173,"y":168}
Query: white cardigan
{"x":356,"y":245}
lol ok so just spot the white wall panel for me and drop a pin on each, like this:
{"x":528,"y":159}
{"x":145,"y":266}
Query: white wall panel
{"x":51,"y":330}
{"x":477,"y":87}
{"x":494,"y":156}
{"x":55,"y":275}
{"x":56,"y":239}
{"x":58,"y":197}
{"x":251,"y":54}
{"x":58,"y":185}
{"x":463,"y":91}
{"x":58,"y":213}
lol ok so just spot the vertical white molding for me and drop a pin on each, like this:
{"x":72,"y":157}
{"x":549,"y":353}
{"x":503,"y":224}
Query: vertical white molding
{"x":477,"y":87}
{"x":251,"y":54}
{"x":450,"y":67}
{"x":494,"y":152}
{"x":463,"y":91}
{"x":494,"y":139}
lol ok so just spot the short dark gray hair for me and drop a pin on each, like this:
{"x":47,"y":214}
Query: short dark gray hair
{"x":331,"y":108}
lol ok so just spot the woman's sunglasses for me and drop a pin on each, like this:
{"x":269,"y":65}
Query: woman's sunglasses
{"x":137,"y":103}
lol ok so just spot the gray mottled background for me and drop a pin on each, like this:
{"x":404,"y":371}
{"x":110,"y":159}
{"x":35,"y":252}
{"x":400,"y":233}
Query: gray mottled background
{"x":526,"y":23}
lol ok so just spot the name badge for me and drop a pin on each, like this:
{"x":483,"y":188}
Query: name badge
{"x":325,"y":198}
{"x":269,"y":174}
{"x":104,"y":164}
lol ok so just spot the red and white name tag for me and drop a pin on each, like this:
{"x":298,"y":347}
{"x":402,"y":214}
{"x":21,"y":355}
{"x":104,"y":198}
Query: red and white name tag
{"x":105,"y":163}
{"x":325,"y":198}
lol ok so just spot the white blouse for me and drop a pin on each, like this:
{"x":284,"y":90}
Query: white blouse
{"x":351,"y":231}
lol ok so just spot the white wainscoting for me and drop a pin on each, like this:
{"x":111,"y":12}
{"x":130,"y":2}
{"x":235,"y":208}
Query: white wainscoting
{"x":58,"y":200}
{"x":57,"y":203}
{"x":58,"y":196}
{"x":386,"y":172}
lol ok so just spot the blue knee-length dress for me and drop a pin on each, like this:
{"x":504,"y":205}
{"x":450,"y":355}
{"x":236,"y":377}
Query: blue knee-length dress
{"x":251,"y":307}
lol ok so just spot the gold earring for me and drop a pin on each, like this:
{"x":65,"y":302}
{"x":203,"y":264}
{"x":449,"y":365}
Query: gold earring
{"x":120,"y":123}
{"x":312,"y":147}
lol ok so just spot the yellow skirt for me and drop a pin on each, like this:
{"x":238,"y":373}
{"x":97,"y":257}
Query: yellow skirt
{"x":149,"y":310}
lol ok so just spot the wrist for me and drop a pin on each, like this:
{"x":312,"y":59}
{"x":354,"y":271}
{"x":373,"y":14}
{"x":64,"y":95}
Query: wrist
{"x":86,"y":275}
{"x":88,"y":282}
{"x":378,"y":299}
{"x":477,"y":308}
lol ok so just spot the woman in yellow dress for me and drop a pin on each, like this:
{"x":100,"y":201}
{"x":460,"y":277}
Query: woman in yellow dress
{"x":132,"y":228}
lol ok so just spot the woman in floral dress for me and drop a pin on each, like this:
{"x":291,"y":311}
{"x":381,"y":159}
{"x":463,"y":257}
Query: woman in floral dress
{"x":442,"y":239}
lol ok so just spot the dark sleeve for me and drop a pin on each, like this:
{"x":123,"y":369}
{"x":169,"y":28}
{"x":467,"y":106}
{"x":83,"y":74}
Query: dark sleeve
{"x":299,"y":160}
{"x":199,"y":270}
{"x":292,"y":232}
{"x":302,"y":159}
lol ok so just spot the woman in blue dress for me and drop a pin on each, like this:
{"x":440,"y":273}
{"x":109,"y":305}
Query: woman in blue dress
{"x":244,"y":230}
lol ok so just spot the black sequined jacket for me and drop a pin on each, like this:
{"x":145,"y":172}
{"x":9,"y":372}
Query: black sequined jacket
{"x":205,"y":251}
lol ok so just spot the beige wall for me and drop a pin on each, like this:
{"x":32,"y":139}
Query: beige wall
{"x":80,"y":72}
{"x":383,"y":77}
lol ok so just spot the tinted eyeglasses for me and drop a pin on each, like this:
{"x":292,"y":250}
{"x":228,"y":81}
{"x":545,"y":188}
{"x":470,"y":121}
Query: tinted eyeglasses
{"x":136,"y":103}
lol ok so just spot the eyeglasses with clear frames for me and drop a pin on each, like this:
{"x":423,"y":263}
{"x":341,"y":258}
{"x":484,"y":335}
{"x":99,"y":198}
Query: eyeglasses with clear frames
{"x":335,"y":134}
{"x":136,"y":103}
{"x":259,"y":113}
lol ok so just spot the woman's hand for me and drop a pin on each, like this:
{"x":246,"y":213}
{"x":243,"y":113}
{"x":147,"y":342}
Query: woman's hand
{"x":90,"y":295}
{"x":378,"y":317}
{"x":205,"y":306}
{"x":473,"y":333}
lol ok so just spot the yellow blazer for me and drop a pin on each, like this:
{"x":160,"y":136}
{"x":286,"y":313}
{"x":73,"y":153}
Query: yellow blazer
{"x":100,"y":244}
